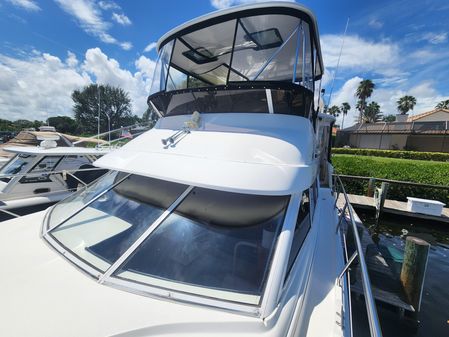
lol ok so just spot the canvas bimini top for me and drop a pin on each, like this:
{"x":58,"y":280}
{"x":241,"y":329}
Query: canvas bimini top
{"x":209,"y":64}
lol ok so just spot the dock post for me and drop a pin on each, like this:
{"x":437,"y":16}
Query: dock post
{"x":371,"y":187}
{"x":379,"y":198}
{"x":413,"y":269}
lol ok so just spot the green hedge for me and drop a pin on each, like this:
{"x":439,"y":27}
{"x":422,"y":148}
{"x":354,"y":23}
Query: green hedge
{"x":434,"y":156}
{"x":418,"y":171}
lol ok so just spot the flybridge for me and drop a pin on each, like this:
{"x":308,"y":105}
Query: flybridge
{"x":239,"y":61}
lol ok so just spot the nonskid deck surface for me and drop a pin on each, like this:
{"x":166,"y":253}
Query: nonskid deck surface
{"x":323,"y":302}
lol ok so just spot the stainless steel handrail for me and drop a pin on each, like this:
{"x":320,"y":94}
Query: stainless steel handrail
{"x":373,"y":319}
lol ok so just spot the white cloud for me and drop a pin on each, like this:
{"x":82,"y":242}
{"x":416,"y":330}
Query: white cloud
{"x":71,"y":60}
{"x":360,"y":55}
{"x":88,"y":16}
{"x":221,"y":4}
{"x":28,"y":5}
{"x":434,"y":38}
{"x":108,"y":5}
{"x":375,"y":23}
{"x":347,"y":94}
{"x":121,"y":19}
{"x":40,"y":85}
{"x":126,"y":45}
{"x":108,"y":71}
{"x":37,"y":87}
{"x":150,"y":47}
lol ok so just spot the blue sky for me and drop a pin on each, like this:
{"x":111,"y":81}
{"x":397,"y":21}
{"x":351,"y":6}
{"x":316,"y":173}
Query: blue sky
{"x":48,"y":48}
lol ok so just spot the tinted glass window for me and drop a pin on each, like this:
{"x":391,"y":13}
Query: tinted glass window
{"x":215,"y":243}
{"x":301,"y":229}
{"x":206,"y":53}
{"x":266,"y":47}
{"x":293,"y":101}
{"x":104,"y":230}
{"x":16,"y":165}
{"x":46,"y":164}
{"x":259,"y":53}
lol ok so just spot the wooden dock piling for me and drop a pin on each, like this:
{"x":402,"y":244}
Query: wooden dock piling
{"x":414,"y":269}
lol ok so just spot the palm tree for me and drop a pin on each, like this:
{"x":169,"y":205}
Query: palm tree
{"x":372,"y":113}
{"x":405,"y":104}
{"x":443,"y":105}
{"x":334,"y":111}
{"x":389,"y":118}
{"x":364,"y":91}
{"x":344,"y":108}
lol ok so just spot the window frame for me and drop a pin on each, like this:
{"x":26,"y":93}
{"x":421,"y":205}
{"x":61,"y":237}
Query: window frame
{"x":266,"y":298}
{"x":291,"y":263}
{"x":35,"y":179}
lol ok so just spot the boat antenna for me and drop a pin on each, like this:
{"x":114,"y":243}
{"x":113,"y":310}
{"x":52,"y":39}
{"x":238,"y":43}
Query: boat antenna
{"x":98,"y":125}
{"x":338,"y":63}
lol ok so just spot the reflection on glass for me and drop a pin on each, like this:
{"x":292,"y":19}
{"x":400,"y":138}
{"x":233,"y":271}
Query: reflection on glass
{"x":258,"y":40}
{"x":17,"y":164}
{"x":160,"y":71}
{"x":105,"y":229}
{"x":205,"y":54}
{"x":216,"y":244}
{"x":74,"y":202}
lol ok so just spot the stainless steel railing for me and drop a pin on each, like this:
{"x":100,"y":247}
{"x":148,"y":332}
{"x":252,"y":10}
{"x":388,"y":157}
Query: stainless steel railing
{"x":347,"y":213}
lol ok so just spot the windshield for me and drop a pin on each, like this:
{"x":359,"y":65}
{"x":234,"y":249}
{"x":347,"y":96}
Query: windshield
{"x":273,"y":47}
{"x":16,"y":165}
{"x":112,"y":221}
{"x":211,"y":243}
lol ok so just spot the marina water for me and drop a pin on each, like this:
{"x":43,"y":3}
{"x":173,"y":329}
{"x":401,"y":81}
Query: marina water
{"x":433,"y":318}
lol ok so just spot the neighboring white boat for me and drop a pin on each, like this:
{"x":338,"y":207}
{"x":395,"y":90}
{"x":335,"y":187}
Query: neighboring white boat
{"x":219,"y":221}
{"x":36,"y":177}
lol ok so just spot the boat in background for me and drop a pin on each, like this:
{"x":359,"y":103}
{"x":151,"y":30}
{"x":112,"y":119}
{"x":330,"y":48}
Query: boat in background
{"x":32,"y":138}
{"x":219,"y":221}
{"x":37,"y":177}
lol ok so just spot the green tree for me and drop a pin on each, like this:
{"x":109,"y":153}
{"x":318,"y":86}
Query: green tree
{"x":6,"y":125}
{"x":63,"y":124}
{"x":344,"y":108}
{"x":21,"y":124}
{"x":405,"y":104}
{"x":364,"y":91}
{"x":372,"y":113}
{"x":389,"y":118}
{"x":443,"y":105}
{"x":334,"y":111}
{"x":114,"y":104}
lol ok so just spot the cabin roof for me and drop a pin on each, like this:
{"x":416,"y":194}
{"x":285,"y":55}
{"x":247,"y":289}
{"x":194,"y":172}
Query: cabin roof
{"x":272,"y":7}
{"x":56,"y":151}
{"x":269,"y":154}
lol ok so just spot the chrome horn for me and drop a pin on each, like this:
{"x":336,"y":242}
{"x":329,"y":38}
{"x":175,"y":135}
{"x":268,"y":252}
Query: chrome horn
{"x":193,"y":123}
{"x":172,"y":139}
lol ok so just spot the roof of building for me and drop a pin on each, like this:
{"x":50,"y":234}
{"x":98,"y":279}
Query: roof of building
{"x":425,"y":114}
